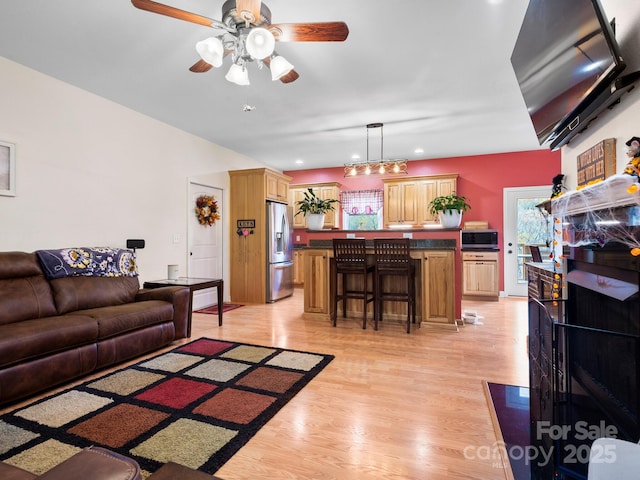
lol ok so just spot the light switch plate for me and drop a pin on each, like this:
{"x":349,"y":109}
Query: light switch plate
{"x":407,"y":235}
{"x":351,"y":235}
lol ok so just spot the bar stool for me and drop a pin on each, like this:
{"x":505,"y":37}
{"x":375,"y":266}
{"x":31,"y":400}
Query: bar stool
{"x":392,"y":258}
{"x":350,"y":259}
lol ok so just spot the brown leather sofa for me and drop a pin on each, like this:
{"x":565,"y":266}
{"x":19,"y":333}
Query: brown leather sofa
{"x":52,"y":331}
{"x":93,"y":462}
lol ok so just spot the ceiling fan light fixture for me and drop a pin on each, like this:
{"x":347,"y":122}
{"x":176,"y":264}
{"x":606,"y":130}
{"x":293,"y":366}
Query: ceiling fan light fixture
{"x":211,"y":51}
{"x":238,"y":74}
{"x":280,"y":66}
{"x":260,"y":43}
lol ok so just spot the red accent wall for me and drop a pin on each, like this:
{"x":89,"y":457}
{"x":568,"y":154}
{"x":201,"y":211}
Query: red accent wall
{"x":481,"y":179}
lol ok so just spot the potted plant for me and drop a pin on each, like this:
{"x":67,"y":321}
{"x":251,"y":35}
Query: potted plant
{"x":449,"y":209}
{"x":314,"y":208}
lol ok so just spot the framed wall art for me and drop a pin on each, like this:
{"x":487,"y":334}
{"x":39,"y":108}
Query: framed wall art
{"x":7,"y":169}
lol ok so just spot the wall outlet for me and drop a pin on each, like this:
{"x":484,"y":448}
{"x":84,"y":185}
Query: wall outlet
{"x":176,"y":238}
{"x":297,"y":238}
{"x":351,"y":235}
{"x":407,"y":235}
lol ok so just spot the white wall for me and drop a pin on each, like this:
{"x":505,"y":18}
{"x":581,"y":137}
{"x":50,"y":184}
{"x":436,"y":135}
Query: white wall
{"x":93,"y":173}
{"x":623,"y":121}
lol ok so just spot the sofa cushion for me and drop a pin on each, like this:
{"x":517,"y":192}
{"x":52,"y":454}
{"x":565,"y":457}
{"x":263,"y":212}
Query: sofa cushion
{"x":80,"y":293}
{"x":24,"y":292}
{"x":43,"y":336}
{"x":116,"y":320}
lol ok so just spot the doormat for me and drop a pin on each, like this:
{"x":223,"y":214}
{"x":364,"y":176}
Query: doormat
{"x":213,"y":309}
{"x":195,"y":405}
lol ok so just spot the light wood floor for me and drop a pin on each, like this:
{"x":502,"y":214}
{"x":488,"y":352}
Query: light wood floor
{"x":391,"y":405}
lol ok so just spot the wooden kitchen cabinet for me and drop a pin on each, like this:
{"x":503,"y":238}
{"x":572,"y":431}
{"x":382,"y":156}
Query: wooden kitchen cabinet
{"x":316,"y":281}
{"x":438,"y":286}
{"x":298,"y":267}
{"x":329,"y":190}
{"x":481,"y":274}
{"x":406,"y":200}
{"x":400,"y":202}
{"x":249,"y":189}
{"x":277,"y":186}
{"x":429,"y":189}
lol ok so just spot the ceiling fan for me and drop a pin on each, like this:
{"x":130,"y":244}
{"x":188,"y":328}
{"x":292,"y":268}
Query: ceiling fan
{"x":248,"y":35}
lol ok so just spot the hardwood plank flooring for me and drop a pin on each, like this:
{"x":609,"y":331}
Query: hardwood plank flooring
{"x":391,"y":405}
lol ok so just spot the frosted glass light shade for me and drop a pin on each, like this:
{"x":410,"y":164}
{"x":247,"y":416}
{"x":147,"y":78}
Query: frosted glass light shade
{"x":279,"y":66}
{"x":260,"y":43}
{"x":211,"y":51}
{"x":238,"y":75}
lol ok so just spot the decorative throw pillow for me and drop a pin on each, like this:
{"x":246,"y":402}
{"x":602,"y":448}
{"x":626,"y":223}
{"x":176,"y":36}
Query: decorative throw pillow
{"x":92,"y":262}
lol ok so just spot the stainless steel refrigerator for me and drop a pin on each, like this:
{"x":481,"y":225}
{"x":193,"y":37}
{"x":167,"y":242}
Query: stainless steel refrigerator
{"x":279,"y":251}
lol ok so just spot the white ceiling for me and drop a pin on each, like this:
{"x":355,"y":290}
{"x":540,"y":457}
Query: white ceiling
{"x":435,"y":72}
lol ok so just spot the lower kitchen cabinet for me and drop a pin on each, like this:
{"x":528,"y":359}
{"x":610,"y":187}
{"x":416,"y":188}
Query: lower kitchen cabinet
{"x":481,"y":274}
{"x":438,"y":285}
{"x":316,"y":281}
{"x":298,"y":267}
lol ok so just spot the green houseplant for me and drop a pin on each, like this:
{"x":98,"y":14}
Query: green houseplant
{"x":449,"y":209}
{"x":314,"y":208}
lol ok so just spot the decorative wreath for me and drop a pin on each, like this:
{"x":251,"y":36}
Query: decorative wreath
{"x":207,"y":210}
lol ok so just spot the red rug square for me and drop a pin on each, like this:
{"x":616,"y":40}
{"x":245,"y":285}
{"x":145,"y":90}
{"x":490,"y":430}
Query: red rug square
{"x":235,"y":406}
{"x":99,"y":428}
{"x":270,"y":379}
{"x":176,"y":392}
{"x":206,"y":347}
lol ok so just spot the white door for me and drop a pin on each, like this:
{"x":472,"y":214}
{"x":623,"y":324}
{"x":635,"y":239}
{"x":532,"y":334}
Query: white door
{"x":524,"y":224}
{"x":205,"y":246}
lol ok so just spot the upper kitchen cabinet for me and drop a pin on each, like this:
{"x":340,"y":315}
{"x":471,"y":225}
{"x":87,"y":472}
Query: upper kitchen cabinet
{"x":277,"y":186}
{"x":400,"y":202}
{"x":329,"y":190}
{"x":406,"y":200}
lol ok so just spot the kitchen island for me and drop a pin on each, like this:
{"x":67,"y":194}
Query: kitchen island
{"x":437,"y":260}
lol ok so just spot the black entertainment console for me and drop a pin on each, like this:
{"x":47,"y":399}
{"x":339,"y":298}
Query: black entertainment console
{"x":607,"y":99}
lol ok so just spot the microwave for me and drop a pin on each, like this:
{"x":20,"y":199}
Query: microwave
{"x":479,"y":239}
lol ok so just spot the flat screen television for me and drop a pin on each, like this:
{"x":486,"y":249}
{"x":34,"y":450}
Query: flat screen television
{"x":565,"y":57}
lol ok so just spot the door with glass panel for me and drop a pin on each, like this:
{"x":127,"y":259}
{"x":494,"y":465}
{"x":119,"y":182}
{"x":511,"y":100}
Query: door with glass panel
{"x":524,"y":225}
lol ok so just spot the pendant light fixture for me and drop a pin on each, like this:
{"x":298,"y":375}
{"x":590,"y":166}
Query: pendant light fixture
{"x":375,"y":166}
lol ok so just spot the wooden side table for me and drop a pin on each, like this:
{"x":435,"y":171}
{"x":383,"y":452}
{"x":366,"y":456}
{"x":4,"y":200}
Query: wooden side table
{"x":174,"y":471}
{"x":193,"y":284}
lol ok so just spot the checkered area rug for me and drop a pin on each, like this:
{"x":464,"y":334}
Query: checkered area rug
{"x":195,"y":405}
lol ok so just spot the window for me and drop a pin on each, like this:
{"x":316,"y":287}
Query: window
{"x":361,"y":209}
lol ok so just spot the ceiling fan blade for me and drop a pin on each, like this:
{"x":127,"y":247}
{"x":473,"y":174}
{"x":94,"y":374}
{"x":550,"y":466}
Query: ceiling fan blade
{"x":310,"y":32}
{"x":168,"y":11}
{"x":249,"y":10}
{"x":292,"y":76}
{"x":200,"y":67}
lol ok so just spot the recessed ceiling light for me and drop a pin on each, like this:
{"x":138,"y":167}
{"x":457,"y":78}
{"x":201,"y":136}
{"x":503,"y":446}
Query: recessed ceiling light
{"x":419,"y":150}
{"x":299,"y":162}
{"x":355,"y":156}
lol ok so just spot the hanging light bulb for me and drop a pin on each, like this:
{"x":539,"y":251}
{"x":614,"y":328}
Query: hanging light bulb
{"x":367,"y":170}
{"x":211,"y":51}
{"x":238,"y":74}
{"x":260,"y":43}
{"x":396,"y":168}
{"x":354,"y":172}
{"x":381,"y":169}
